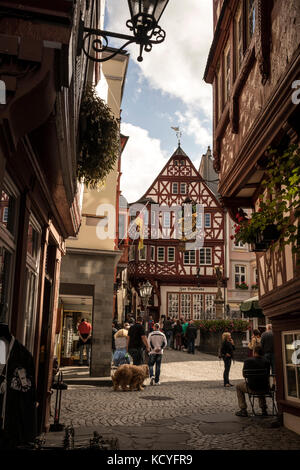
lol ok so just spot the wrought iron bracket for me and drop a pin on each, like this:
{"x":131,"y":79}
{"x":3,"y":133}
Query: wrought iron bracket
{"x":96,"y":40}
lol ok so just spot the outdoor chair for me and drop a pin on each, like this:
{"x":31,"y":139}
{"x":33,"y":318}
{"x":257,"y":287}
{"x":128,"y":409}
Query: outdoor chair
{"x":252,"y":394}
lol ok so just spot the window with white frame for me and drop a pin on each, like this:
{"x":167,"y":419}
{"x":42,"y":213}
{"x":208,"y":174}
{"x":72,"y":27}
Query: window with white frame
{"x":227,"y":73}
{"x":198,"y":302}
{"x":173,"y":305}
{"x":153,"y":217}
{"x":205,"y":255}
{"x":239,"y":42}
{"x":239,"y":274}
{"x":210,"y":306}
{"x":152,"y":253}
{"x":207,"y":220}
{"x":132,"y":253}
{"x":32,"y":276}
{"x":143,"y":253}
{"x":291,"y":363}
{"x":219,"y":92}
{"x":171,"y":254}
{"x":161,"y":254}
{"x":9,"y":205}
{"x":182,"y":162}
{"x":176,"y":162}
{"x":190,"y":257}
{"x":186,"y":306}
{"x":175,"y":188}
{"x":182,"y":188}
{"x":166,"y":219}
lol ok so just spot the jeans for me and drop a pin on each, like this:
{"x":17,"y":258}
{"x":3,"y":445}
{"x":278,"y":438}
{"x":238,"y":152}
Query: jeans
{"x":227,"y":365}
{"x":169,"y":336}
{"x":270,"y":358}
{"x":155,"y":359}
{"x":137,"y":356}
{"x":88,"y":353}
{"x":191,"y":345}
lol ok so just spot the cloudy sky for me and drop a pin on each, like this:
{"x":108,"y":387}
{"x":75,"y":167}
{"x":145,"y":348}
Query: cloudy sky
{"x":166,"y":89}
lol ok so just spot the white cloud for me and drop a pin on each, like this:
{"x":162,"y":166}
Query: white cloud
{"x":142,"y":160}
{"x":177,"y":65}
{"x":192,"y":125}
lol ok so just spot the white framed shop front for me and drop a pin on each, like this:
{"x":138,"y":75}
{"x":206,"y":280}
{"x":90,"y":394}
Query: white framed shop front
{"x":189,"y":302}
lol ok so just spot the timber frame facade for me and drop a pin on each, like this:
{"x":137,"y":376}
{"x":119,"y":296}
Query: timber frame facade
{"x":177,"y":290}
{"x":253,"y":64}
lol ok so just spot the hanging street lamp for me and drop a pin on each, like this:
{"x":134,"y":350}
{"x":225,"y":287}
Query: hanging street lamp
{"x":145,"y":292}
{"x":145,"y":15}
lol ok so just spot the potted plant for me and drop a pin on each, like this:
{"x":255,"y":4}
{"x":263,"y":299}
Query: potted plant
{"x":99,"y":139}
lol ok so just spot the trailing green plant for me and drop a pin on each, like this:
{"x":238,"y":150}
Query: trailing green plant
{"x":99,"y":139}
{"x":279,"y":203}
{"x":220,"y":326}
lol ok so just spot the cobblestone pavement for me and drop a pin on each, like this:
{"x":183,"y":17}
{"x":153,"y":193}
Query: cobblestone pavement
{"x":189,"y":410}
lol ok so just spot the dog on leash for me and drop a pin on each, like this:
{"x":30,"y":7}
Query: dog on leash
{"x":128,"y":375}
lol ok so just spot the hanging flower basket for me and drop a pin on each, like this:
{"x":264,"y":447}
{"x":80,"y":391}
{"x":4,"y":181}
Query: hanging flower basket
{"x":99,"y":139}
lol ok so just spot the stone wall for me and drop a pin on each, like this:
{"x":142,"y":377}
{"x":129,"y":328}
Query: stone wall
{"x":95,"y":269}
{"x":211,"y":342}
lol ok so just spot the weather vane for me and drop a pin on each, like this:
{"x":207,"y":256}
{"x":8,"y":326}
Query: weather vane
{"x":178,"y":134}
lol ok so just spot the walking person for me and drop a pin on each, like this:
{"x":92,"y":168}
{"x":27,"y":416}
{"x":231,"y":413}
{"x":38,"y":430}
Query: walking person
{"x":168,"y":330}
{"x":136,"y":341}
{"x":267,"y":344}
{"x":227,"y":349}
{"x":178,"y":335}
{"x":85,"y":334}
{"x":121,"y":355}
{"x":191,"y":335}
{"x":157,"y":341}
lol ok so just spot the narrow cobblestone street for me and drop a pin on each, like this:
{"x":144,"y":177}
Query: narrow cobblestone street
{"x":190,"y":410}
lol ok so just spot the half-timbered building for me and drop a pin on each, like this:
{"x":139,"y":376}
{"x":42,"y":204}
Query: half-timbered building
{"x":184,"y":280}
{"x":254,"y":67}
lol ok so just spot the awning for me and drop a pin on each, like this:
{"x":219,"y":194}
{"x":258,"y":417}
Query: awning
{"x":251,"y":308}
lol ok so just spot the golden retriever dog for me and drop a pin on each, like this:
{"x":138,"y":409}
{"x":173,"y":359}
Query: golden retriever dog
{"x":128,"y":375}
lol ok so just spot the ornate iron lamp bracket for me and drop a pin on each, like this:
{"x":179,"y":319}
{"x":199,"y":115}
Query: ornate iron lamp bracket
{"x":145,"y":36}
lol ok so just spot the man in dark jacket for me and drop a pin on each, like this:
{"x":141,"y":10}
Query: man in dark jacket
{"x":191,"y":335}
{"x":137,"y":341}
{"x":258,"y":381}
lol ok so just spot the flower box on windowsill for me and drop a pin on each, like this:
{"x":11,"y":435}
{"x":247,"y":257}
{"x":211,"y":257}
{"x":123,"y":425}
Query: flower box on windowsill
{"x":254,"y":286}
{"x":242,"y":286}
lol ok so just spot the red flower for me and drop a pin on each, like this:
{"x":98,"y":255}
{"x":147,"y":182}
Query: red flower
{"x":232,"y":237}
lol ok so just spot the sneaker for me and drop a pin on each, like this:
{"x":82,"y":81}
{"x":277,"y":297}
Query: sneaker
{"x":152,"y":381}
{"x":157,"y":383}
{"x":243,"y":413}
